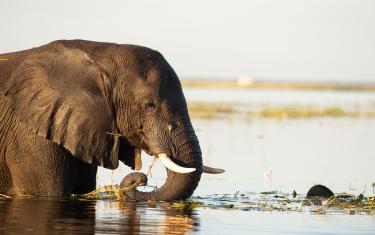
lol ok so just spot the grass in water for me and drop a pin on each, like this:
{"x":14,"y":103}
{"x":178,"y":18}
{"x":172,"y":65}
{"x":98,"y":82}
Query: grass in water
{"x":303,"y":112}
{"x":210,"y":110}
{"x":205,"y":110}
{"x":266,"y":201}
{"x":187,"y":205}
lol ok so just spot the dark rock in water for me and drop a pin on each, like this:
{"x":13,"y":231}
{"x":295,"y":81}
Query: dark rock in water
{"x":319,"y":191}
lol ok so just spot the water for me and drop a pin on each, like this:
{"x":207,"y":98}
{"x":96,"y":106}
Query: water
{"x":351,"y":100}
{"x":271,"y":154}
{"x":37,"y":216}
{"x":257,"y":154}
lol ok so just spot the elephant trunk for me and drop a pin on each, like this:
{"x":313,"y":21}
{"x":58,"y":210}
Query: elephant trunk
{"x":178,"y":186}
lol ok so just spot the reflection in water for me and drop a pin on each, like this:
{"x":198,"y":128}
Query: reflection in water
{"x":91,"y":217}
{"x":140,"y":218}
{"x":178,"y":222}
{"x":44,"y":216}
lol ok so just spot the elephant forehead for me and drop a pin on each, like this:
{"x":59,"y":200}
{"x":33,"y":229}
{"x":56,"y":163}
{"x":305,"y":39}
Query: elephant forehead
{"x":149,"y":85}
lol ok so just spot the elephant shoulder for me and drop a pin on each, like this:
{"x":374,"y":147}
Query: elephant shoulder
{"x":9,"y":63}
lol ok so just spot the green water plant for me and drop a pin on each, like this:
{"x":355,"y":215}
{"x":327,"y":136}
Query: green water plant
{"x":209,"y":110}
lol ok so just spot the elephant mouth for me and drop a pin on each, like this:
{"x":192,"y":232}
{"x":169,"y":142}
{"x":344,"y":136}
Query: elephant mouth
{"x":162,"y":155}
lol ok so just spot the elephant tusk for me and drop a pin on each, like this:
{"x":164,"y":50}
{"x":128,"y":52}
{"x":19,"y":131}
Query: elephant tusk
{"x":211,"y":170}
{"x":137,"y":159}
{"x":168,"y":163}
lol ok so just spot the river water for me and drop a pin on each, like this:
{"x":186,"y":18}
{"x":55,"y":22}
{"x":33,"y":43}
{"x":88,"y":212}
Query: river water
{"x":258,"y":154}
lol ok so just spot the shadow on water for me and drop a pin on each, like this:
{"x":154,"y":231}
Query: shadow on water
{"x":37,"y":216}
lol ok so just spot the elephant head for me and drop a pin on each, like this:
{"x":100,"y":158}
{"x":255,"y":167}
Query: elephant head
{"x":105,"y":102}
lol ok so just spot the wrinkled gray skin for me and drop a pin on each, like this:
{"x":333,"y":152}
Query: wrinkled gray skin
{"x":69,"y":106}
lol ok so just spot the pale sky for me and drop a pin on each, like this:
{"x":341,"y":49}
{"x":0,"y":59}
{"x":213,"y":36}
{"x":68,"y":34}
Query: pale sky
{"x":319,"y":40}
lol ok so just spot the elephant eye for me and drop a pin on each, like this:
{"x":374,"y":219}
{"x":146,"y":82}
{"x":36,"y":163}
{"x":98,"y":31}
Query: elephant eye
{"x":149,"y":105}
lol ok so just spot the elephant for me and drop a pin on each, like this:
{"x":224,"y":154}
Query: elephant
{"x":70,"y":106}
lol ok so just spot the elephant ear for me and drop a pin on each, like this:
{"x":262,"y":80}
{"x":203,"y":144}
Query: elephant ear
{"x":61,"y":94}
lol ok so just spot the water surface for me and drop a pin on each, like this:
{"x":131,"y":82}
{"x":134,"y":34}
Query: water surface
{"x":38,"y":216}
{"x":258,"y":155}
{"x":261,"y":154}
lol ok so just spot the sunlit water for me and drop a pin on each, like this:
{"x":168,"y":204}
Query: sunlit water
{"x":258,"y":155}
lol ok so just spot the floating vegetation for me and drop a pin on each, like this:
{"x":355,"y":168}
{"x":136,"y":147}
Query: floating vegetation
{"x":347,"y":203}
{"x":268,"y":192}
{"x":105,"y":192}
{"x":113,"y":192}
{"x":208,"y":110}
{"x":272,"y":201}
{"x":187,"y":205}
{"x":265,"y":201}
{"x":16,"y":196}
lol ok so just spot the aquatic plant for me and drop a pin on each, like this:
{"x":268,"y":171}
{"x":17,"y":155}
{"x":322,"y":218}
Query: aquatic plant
{"x":209,"y":110}
{"x":205,"y":110}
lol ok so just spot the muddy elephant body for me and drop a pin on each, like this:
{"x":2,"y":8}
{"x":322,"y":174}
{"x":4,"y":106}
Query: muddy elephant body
{"x":72,"y":105}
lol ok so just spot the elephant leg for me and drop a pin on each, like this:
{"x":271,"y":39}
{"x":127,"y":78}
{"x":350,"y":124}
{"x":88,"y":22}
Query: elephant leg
{"x":34,"y":170}
{"x":85,"y":188}
{"x":6,"y":180}
{"x":90,"y":183}
{"x":43,"y":168}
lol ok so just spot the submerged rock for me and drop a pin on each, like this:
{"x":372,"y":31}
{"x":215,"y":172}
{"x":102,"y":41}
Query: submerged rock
{"x":319,"y":191}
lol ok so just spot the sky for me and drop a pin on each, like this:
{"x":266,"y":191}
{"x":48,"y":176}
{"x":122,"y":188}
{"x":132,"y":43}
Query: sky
{"x":314,"y":40}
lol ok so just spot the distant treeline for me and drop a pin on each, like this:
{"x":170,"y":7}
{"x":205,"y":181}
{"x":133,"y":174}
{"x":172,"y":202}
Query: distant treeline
{"x":249,"y":84}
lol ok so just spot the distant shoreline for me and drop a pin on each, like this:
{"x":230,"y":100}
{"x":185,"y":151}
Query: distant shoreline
{"x":209,"y":110}
{"x":234,"y":84}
